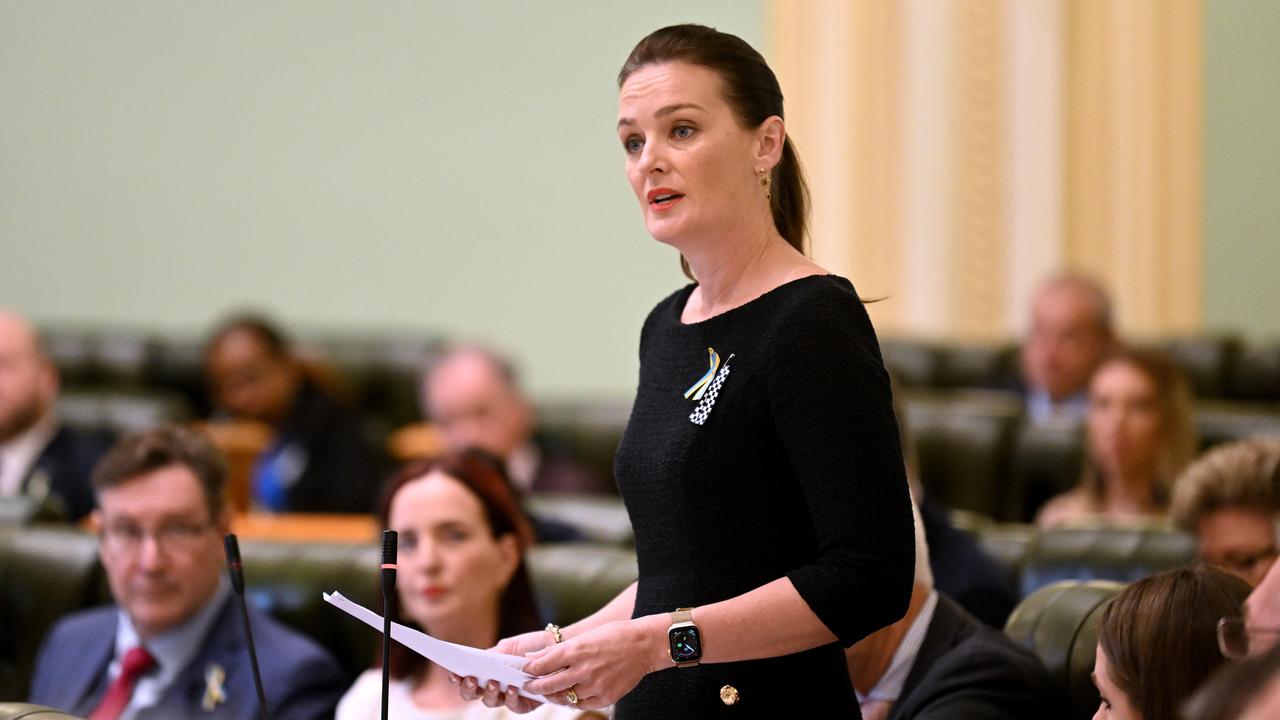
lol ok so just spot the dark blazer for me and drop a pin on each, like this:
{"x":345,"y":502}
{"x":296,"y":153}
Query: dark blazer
{"x":300,"y":680}
{"x":340,"y":472}
{"x":967,"y":670}
{"x":965,"y":572}
{"x":60,"y":475}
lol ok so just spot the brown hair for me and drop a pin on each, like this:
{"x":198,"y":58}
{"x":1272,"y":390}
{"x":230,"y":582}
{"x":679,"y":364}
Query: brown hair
{"x":162,"y":447}
{"x":484,"y":476}
{"x":1243,"y":474}
{"x":752,"y":90}
{"x":1160,"y":635}
{"x":1177,"y":432}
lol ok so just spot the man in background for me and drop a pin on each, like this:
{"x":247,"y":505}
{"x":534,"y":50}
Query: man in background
{"x":1071,"y":332}
{"x":472,"y":395}
{"x":39,"y":457}
{"x":938,"y":662}
{"x":173,"y":645}
{"x":317,"y":459}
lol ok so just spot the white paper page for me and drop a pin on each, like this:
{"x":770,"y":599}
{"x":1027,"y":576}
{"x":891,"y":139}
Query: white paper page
{"x":483,"y":665}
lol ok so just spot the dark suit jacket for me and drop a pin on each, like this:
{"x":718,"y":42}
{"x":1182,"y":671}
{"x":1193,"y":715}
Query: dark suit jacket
{"x":300,"y":680}
{"x":962,"y":570}
{"x":967,"y":670}
{"x":341,"y":472}
{"x":60,"y":474}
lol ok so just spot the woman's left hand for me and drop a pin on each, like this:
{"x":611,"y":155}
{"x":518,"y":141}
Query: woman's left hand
{"x":599,"y":666}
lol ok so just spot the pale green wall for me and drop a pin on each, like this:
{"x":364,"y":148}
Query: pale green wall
{"x":1242,"y":166}
{"x":444,"y":166}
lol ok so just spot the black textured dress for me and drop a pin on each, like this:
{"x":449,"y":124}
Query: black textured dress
{"x":795,"y":470}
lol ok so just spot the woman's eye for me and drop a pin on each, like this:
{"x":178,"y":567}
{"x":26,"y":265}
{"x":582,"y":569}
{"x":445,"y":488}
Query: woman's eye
{"x":632,"y":144}
{"x":683,"y":132}
{"x":455,"y":535}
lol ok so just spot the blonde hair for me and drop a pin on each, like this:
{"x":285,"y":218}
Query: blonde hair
{"x":1177,"y":431}
{"x":1242,"y":474}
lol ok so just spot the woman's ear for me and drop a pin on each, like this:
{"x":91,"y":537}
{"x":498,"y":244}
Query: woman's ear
{"x":508,"y":556}
{"x":770,"y":138}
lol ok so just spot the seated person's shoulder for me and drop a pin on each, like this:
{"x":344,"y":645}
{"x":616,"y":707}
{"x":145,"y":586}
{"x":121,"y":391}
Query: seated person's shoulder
{"x":1064,"y":509}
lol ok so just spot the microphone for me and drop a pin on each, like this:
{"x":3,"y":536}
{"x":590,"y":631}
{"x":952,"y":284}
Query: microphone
{"x":236,"y":571}
{"x":388,"y":603}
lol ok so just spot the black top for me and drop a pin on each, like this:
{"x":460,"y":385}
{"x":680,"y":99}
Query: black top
{"x":796,"y":471}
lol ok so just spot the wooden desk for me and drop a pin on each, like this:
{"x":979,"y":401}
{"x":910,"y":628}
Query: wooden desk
{"x":308,"y":527}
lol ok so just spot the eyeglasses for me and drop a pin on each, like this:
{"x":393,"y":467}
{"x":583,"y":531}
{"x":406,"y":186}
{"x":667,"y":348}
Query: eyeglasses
{"x":126,"y":538}
{"x":1235,"y":638}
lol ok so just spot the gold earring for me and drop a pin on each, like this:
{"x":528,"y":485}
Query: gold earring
{"x":766,"y":182}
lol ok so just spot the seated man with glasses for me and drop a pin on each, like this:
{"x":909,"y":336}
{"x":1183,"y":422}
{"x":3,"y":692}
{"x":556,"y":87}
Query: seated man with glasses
{"x":173,"y":646}
{"x":1230,"y":500}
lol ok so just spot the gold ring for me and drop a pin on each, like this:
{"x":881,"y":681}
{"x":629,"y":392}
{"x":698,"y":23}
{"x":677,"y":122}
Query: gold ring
{"x":570,"y":696}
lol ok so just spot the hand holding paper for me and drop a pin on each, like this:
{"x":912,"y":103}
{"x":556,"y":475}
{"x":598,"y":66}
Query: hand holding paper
{"x":484,"y":665}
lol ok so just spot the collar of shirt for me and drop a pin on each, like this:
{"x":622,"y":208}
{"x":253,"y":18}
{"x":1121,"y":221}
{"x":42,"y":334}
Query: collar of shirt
{"x":889,"y":687}
{"x":1042,"y":409}
{"x":172,"y":649}
{"x":522,"y":466}
{"x":20,"y":453}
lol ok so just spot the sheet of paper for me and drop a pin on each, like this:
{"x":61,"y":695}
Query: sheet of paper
{"x":484,"y":665}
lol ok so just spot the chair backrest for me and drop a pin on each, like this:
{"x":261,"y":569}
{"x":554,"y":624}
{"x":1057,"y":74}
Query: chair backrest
{"x":1046,"y":459}
{"x":1059,"y":623}
{"x":45,"y":573}
{"x":962,"y":443}
{"x":1118,"y":553}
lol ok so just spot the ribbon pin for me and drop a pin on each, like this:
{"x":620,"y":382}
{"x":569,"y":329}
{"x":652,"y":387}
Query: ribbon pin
{"x":708,"y":386}
{"x":696,"y":392}
{"x":214,"y":677}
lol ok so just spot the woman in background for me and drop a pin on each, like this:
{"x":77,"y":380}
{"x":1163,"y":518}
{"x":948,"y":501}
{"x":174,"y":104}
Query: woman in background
{"x":462,"y":578}
{"x":1158,"y":641}
{"x":1139,"y":437}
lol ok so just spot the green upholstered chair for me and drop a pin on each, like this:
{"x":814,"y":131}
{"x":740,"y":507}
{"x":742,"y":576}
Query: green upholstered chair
{"x":1059,"y":623}
{"x":962,"y":444}
{"x":1046,"y":459}
{"x":1223,"y":422}
{"x":1118,"y":553}
{"x":45,"y":573}
{"x":914,"y":363}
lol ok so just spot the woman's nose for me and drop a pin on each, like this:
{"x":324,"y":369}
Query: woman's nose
{"x":652,"y":159}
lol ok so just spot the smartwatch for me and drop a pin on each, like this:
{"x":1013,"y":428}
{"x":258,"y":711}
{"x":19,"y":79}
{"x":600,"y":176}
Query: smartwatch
{"x":684,"y":641}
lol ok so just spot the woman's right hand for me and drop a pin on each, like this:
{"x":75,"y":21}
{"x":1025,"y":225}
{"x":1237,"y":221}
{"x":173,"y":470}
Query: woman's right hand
{"x":493,"y":696}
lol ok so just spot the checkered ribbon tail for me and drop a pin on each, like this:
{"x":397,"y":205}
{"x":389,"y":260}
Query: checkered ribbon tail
{"x":700,"y":413}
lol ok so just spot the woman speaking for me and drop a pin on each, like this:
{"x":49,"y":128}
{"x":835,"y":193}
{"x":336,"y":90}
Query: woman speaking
{"x":761,"y":465}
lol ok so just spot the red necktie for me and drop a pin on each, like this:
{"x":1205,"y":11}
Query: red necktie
{"x":136,"y":662}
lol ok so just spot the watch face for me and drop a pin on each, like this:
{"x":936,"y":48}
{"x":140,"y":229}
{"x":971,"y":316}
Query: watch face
{"x":686,"y":644}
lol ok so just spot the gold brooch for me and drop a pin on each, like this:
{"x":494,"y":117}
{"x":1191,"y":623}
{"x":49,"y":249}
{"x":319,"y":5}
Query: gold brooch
{"x":729,"y":695}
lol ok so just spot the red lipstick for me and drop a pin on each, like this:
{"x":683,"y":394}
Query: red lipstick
{"x":662,"y":199}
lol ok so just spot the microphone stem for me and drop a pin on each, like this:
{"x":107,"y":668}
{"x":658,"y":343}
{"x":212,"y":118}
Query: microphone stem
{"x":386,"y":653}
{"x":253,"y":659}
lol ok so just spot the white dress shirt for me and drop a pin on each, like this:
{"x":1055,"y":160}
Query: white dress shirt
{"x":889,"y":687}
{"x":20,"y":453}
